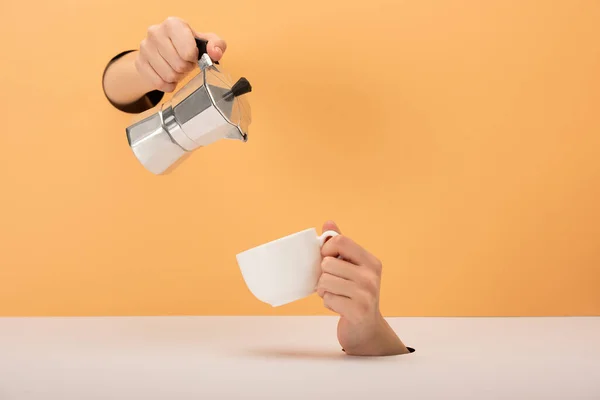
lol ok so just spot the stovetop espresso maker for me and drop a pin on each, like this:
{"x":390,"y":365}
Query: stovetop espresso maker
{"x":208,"y":108}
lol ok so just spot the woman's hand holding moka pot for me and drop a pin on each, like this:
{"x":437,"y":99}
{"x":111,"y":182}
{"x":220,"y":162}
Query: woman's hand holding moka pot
{"x":165,"y":57}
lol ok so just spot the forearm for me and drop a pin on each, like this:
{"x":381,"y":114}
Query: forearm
{"x":122,"y":82}
{"x":389,"y":343}
{"x":382,"y":342}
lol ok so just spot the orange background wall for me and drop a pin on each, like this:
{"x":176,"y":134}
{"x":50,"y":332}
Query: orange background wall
{"x":459,"y":141}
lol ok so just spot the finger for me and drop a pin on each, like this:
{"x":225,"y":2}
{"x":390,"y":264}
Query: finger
{"x":346,"y":248}
{"x":164,"y":70}
{"x":331,"y":226}
{"x":215,"y":47}
{"x":338,"y":304}
{"x":341,"y":269}
{"x":333,"y":284}
{"x":147,"y":71}
{"x":149,"y":52}
{"x":167,"y":50}
{"x":182,"y":37}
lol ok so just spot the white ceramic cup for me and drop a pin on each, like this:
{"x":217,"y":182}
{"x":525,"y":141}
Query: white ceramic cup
{"x":286,"y":269}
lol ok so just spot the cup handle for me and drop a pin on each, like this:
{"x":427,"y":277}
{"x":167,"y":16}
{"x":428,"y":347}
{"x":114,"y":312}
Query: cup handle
{"x":325,"y":236}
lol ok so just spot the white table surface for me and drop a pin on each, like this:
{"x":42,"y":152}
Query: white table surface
{"x":295,"y":358}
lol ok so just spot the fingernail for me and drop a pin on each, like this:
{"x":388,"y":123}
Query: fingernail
{"x":219,"y":50}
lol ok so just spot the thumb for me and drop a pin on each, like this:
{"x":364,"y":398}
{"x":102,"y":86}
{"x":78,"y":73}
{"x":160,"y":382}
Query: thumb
{"x":215,"y":47}
{"x":331,"y":226}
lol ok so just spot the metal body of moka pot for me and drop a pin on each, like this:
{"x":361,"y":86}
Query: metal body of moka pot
{"x":208,"y":108}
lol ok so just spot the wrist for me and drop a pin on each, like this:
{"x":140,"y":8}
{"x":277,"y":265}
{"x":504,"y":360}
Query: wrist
{"x":381,"y":341}
{"x":390,"y":343}
{"x":139,"y":82}
{"x":122,"y":82}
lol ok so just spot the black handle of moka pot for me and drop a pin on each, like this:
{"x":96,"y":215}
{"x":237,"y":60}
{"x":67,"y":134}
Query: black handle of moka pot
{"x":202,"y":46}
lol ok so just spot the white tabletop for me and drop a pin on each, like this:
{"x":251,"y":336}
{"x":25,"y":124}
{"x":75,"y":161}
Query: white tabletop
{"x":295,"y":358}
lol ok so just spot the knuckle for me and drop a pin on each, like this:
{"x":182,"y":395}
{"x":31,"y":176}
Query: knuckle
{"x":153,"y":31}
{"x":171,"y":77}
{"x":327,"y":300}
{"x":168,"y":88}
{"x":377,"y":265}
{"x":173,"y":25}
{"x":339,"y":240}
{"x":326,"y":263}
{"x":321,"y":282}
{"x":144,"y":46}
{"x":161,"y":84}
{"x":180,"y":67}
{"x":171,"y":20}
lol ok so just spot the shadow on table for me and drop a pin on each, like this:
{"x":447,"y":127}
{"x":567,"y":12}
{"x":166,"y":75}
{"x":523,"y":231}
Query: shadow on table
{"x":300,"y":354}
